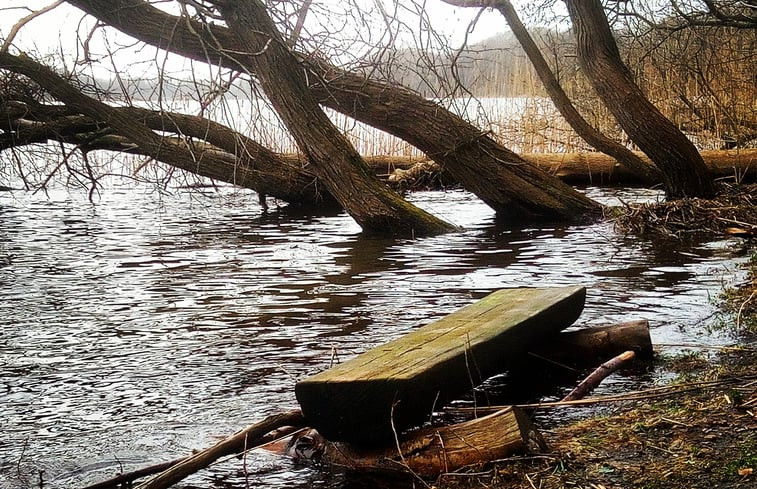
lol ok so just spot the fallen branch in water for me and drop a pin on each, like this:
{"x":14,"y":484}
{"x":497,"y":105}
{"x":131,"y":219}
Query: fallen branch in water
{"x":170,"y":473}
{"x":249,"y":437}
{"x":125,"y":479}
{"x":600,"y":374}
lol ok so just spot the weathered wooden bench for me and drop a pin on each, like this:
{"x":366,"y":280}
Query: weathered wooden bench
{"x":372,"y":397}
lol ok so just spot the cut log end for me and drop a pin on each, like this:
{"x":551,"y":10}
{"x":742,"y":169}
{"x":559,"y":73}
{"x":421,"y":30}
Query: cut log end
{"x":587,"y":345}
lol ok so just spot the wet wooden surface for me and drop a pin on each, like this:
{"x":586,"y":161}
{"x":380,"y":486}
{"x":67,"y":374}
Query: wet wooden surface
{"x":396,"y":385}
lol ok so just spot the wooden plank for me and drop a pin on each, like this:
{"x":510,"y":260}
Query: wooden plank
{"x":395,"y":386}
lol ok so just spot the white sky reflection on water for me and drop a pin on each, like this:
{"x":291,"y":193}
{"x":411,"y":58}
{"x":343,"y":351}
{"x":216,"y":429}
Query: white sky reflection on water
{"x":149,"y":324}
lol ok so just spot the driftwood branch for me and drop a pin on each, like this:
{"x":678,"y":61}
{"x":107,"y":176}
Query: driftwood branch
{"x":128,"y":477}
{"x":251,"y":436}
{"x":597,"y":376}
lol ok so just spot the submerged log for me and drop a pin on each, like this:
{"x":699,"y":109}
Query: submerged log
{"x":395,"y":386}
{"x":427,"y":452}
{"x":579,"y":168}
{"x":586,"y":345}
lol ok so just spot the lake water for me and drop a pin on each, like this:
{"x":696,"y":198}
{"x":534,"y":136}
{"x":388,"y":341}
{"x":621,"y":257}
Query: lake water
{"x":152,"y":323}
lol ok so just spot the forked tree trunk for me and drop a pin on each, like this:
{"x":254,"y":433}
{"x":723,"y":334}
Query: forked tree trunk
{"x":564,"y":105}
{"x":506,"y":182}
{"x":514,"y":188}
{"x":684,"y":171}
{"x":337,"y":164}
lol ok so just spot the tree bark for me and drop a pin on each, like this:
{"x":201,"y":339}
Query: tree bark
{"x":427,"y":452}
{"x":339,"y":167}
{"x":684,"y":171}
{"x":563,"y":104}
{"x":506,"y":182}
{"x":515,"y":189}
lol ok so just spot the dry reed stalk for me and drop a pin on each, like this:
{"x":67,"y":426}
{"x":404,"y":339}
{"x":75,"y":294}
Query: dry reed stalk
{"x":639,"y":395}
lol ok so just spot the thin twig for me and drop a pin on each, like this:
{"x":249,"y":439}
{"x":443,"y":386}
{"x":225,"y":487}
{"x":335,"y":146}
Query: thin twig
{"x":21,"y":23}
{"x":640,"y":395}
{"x":741,"y":309}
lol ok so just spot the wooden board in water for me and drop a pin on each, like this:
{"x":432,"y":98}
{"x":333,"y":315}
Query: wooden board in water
{"x":396,"y":385}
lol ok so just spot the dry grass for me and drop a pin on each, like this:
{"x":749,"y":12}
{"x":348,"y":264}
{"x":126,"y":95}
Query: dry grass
{"x":741,"y":302}
{"x":702,"y":440}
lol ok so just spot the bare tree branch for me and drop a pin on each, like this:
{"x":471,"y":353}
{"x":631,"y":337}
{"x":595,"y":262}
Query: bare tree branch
{"x":25,"y":20}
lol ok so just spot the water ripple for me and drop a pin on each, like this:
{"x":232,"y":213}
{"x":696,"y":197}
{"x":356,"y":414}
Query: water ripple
{"x":149,"y":324}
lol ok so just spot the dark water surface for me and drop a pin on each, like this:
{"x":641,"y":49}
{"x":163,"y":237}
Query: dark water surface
{"x":150,"y":324}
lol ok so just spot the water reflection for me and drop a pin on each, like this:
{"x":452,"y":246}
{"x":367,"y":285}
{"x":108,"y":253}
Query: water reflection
{"x":149,"y":324}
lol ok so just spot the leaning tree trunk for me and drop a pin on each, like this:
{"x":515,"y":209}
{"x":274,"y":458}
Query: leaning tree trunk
{"x":340,"y":168}
{"x":514,"y":188}
{"x":684,"y":171}
{"x":510,"y":185}
{"x":562,"y":102}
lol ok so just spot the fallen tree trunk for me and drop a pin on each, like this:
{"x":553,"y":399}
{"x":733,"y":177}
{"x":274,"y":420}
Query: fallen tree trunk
{"x":587,"y":168}
{"x":150,"y":143}
{"x":598,"y":168}
{"x":230,"y":157}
